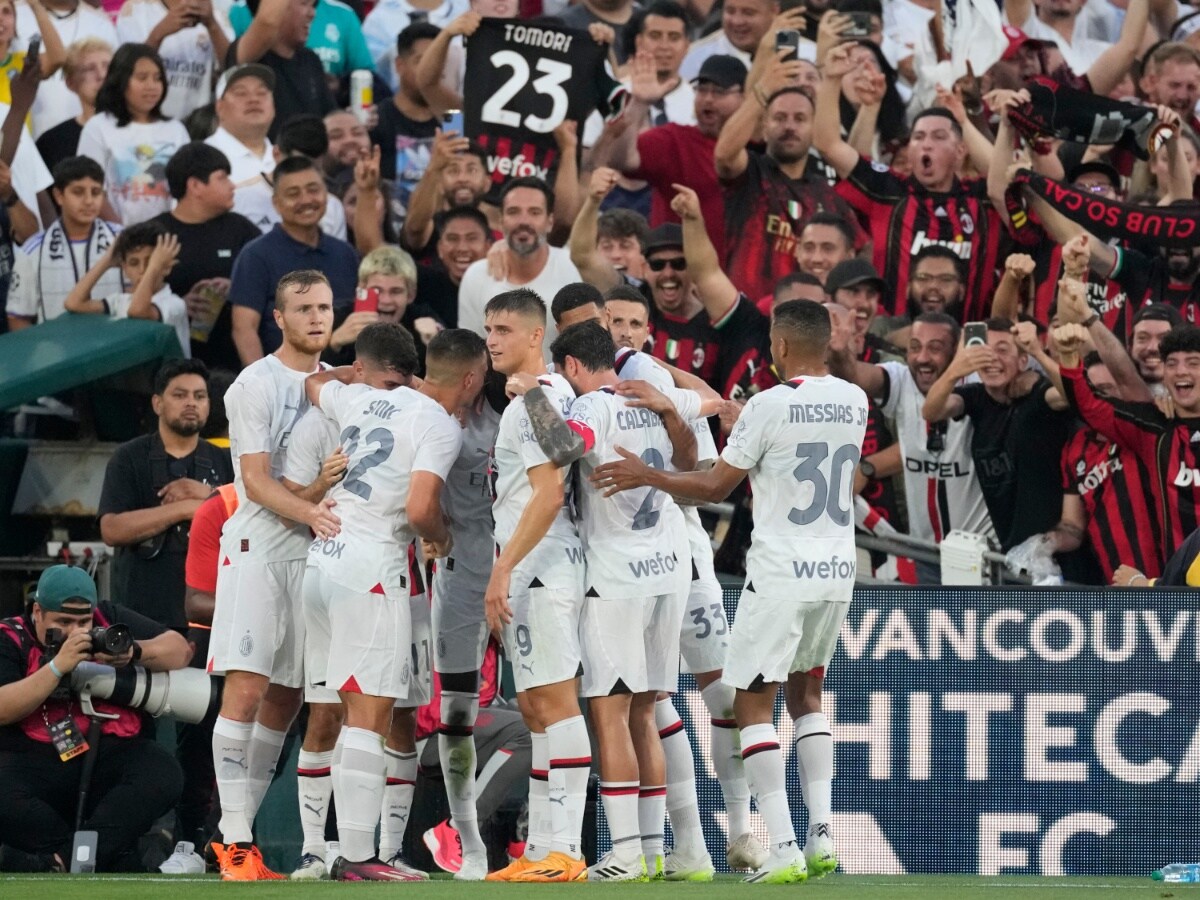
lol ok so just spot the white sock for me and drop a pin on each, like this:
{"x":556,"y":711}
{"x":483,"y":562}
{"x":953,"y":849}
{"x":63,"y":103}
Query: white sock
{"x":727,"y":757}
{"x":358,"y":782}
{"x":456,"y":750}
{"x":814,"y":756}
{"x":652,"y":812}
{"x":231,"y":746}
{"x":314,"y":783}
{"x":400,"y":783}
{"x":764,"y":772}
{"x":681,"y":804}
{"x":620,"y":799}
{"x":541,"y":831}
{"x":262,"y":758}
{"x":570,"y":766}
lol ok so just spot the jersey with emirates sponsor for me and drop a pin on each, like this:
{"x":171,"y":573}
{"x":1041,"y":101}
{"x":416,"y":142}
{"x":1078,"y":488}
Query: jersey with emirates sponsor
{"x":630,"y":547}
{"x":264,"y":404}
{"x":765,"y":211}
{"x":467,"y":497}
{"x":1118,"y":496}
{"x":517,"y":451}
{"x":313,"y":439}
{"x":387,"y":435}
{"x":941,"y":490}
{"x":1169,"y":448}
{"x":801,"y":442}
{"x":902,"y":218}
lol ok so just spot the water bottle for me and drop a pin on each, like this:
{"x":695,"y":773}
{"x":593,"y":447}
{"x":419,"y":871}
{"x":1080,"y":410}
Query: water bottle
{"x":1178,"y":872}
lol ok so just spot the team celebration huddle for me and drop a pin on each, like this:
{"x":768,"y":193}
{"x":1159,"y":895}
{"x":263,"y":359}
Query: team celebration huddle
{"x":544,"y":492}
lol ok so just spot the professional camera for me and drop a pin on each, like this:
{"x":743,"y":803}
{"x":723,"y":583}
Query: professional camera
{"x":187,"y":694}
{"x":114,"y":640}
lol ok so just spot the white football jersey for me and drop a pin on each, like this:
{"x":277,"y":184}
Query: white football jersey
{"x":940,"y":486}
{"x":387,"y":436}
{"x":264,"y":404}
{"x":517,"y":451}
{"x":467,"y":498}
{"x":314,"y":438}
{"x":630,"y":547}
{"x":801,"y":441}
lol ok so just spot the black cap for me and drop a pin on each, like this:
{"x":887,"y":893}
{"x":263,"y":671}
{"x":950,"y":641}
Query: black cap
{"x":1158,"y":312}
{"x":665,"y":237}
{"x":723,"y":71}
{"x":1098,"y":166}
{"x":851,"y":273}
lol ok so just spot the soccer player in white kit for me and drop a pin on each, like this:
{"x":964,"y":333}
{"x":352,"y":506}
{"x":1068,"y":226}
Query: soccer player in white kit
{"x":703,"y":638}
{"x":400,"y":444}
{"x":535,"y":596}
{"x":800,"y":442}
{"x":633,"y":603}
{"x":385,"y":359}
{"x":258,"y":628}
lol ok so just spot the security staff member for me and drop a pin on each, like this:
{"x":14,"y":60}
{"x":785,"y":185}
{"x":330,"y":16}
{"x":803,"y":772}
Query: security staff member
{"x":43,"y":738}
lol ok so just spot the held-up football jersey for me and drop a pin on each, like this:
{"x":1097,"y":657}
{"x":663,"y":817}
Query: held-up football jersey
{"x":387,"y":435}
{"x":264,"y":404}
{"x":630,"y":547}
{"x":801,"y":441}
{"x":314,"y":438}
{"x":517,"y":451}
{"x":467,"y":498}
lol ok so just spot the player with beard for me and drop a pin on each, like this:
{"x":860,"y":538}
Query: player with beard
{"x":257,"y":637}
{"x":770,"y":196}
{"x":526,"y":218}
{"x":905,"y":213}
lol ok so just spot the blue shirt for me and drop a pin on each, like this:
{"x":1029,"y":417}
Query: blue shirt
{"x":265,"y":260}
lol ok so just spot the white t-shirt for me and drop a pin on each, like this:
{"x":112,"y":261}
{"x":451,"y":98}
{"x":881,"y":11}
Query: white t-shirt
{"x":134,"y":159}
{"x":43,"y":296}
{"x":264,"y":405}
{"x":187,"y":54}
{"x":28,"y":170}
{"x":942,"y":483}
{"x":478,"y":287}
{"x":631,"y":550}
{"x":314,"y":438}
{"x":55,"y":102}
{"x":801,"y":442}
{"x":467,"y":499}
{"x":389,"y":18}
{"x":171,"y":311}
{"x":1079,"y":53}
{"x":388,"y":436}
{"x":517,"y":451}
{"x":250,"y":174}
{"x":715,"y":44}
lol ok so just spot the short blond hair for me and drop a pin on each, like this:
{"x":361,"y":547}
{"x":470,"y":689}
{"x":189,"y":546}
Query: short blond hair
{"x":78,"y":50}
{"x":389,"y":261}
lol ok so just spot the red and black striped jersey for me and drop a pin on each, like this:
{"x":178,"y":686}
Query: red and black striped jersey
{"x":765,"y":211}
{"x":902,"y":218}
{"x":687,"y":344}
{"x":1106,"y":297}
{"x":1117,"y":492}
{"x":1146,"y":280}
{"x":1169,"y":449}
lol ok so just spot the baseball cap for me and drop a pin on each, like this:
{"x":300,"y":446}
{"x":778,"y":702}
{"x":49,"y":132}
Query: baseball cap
{"x":723,"y":71}
{"x":1099,"y":167}
{"x":1158,"y":312}
{"x":1017,"y":39}
{"x":249,"y":70}
{"x":851,"y":273}
{"x":63,"y":584}
{"x":665,"y":237}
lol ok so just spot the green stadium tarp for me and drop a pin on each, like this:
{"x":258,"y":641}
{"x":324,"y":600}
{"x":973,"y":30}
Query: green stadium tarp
{"x":74,"y":350}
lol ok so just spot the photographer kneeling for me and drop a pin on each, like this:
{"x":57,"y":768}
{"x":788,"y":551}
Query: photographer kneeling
{"x":44,"y":728}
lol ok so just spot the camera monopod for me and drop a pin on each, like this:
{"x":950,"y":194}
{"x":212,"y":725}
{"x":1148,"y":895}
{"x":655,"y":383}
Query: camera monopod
{"x":83,"y":847}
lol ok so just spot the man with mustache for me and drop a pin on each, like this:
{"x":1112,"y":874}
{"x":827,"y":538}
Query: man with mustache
{"x":526,"y":218}
{"x":296,"y":242}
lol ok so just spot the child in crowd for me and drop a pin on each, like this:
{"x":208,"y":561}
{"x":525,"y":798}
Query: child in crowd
{"x":50,"y":264}
{"x":145,"y":253}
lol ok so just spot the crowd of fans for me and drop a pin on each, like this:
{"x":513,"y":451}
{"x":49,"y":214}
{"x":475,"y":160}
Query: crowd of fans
{"x":171,"y":160}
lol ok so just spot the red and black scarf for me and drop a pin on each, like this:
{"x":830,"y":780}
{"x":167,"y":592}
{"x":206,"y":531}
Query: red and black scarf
{"x":1057,"y":111}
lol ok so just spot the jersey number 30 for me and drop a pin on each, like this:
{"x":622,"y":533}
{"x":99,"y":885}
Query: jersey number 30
{"x":823,"y":499}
